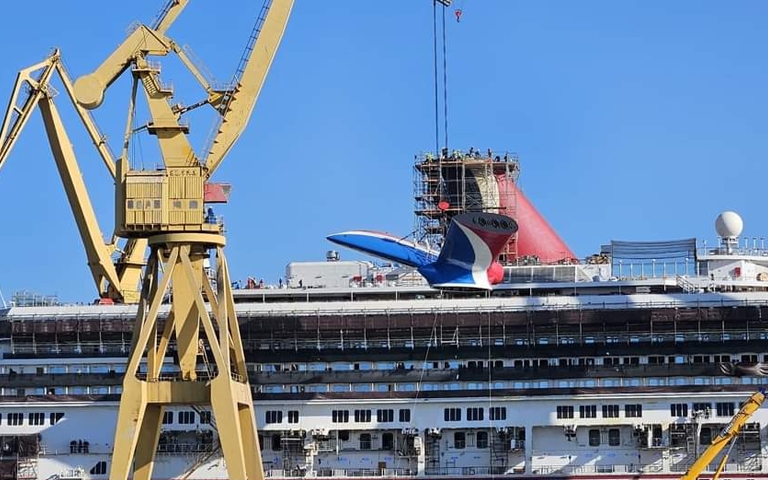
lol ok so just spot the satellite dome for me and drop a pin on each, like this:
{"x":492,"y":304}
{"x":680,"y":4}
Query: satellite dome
{"x":729,"y":224}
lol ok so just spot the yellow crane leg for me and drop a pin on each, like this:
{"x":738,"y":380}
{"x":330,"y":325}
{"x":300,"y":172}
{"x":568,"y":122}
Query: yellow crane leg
{"x":146,"y":395}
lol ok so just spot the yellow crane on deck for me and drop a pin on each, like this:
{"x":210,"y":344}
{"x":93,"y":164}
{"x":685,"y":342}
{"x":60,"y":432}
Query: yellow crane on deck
{"x":726,"y":438}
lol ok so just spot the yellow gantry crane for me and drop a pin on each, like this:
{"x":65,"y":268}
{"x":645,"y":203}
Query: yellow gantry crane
{"x":726,"y":437}
{"x":164,"y":208}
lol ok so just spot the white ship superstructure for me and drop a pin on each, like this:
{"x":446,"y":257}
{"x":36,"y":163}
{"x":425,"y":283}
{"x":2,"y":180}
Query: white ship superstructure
{"x":582,"y":370}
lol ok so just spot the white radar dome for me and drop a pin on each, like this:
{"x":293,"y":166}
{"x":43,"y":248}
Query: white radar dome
{"x":729,"y":224}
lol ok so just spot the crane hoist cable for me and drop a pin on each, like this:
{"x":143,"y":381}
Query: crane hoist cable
{"x":445,"y":82}
{"x":437,"y":95}
{"x":436,"y":36}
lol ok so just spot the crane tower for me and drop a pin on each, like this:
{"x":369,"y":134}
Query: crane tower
{"x":164,"y":208}
{"x":167,"y":207}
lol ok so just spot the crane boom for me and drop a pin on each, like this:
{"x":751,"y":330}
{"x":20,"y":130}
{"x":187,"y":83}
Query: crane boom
{"x":249,"y":78}
{"x":168,"y":15}
{"x":726,"y":436}
{"x":116,"y":281}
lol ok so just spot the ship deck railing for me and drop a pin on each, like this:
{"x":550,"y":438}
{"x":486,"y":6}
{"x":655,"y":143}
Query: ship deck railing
{"x":750,"y":464}
{"x":342,"y":472}
{"x":424,"y":306}
{"x":633,"y":468}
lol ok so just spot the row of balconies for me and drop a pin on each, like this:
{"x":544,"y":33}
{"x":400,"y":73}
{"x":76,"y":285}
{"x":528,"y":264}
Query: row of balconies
{"x":397,"y":376}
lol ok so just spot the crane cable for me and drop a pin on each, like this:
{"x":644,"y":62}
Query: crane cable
{"x":445,"y":83}
{"x":437,"y":76}
{"x":437,"y":106}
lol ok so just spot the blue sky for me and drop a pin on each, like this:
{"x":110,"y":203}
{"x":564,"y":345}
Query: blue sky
{"x":634,"y":120}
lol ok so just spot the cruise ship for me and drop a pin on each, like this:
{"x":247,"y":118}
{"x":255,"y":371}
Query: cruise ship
{"x":622,"y":365}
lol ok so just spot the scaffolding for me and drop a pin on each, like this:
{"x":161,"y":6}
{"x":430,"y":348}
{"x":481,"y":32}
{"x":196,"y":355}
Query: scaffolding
{"x":450,"y":184}
{"x":25,"y":298}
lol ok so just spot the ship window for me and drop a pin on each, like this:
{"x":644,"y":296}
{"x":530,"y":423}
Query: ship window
{"x":633,"y":410}
{"x":100,"y":468}
{"x":459,"y":440}
{"x":193,"y":204}
{"x":167,"y":417}
{"x":498,"y":413}
{"x":475,"y":414}
{"x":385,"y":415}
{"x":156,"y":204}
{"x":405,"y":414}
{"x":588,"y":411}
{"x":594,"y":437}
{"x":293,"y":416}
{"x":679,"y":409}
{"x":55,"y":417}
{"x":340,"y":416}
{"x":36,"y":418}
{"x":276,"y":446}
{"x":187,"y":417}
{"x":749,"y":358}
{"x":725,"y":409}
{"x":365,"y":441}
{"x":273,"y":416}
{"x":655,"y":360}
{"x":482,"y":439}
{"x":614,"y":437}
{"x":205,"y":417}
{"x":565,"y":411}
{"x":261,"y":442}
{"x":344,"y":435}
{"x":702,"y":407}
{"x":129,"y":204}
{"x":610,"y":411}
{"x":361,"y":387}
{"x":706,"y":436}
{"x":452,"y":414}
{"x":387,"y":441}
{"x":362,"y":415}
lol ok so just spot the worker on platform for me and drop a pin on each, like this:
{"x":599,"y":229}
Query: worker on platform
{"x":210,"y":217}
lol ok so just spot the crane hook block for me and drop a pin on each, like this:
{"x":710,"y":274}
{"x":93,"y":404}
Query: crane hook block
{"x":458,"y":13}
